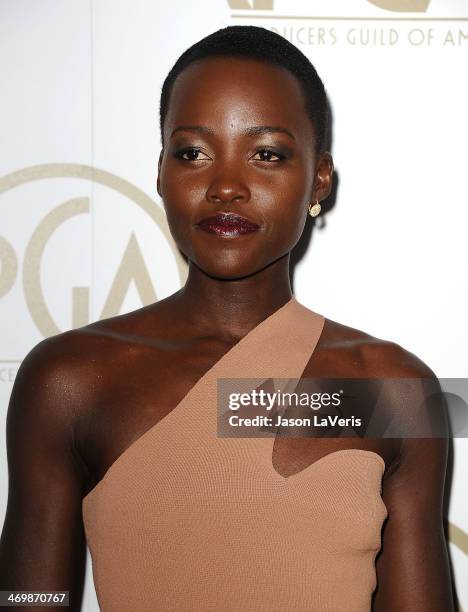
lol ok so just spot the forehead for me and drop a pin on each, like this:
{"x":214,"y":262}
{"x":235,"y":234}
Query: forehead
{"x":229,"y":92}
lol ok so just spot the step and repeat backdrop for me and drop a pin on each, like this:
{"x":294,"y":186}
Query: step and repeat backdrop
{"x":83,"y":234}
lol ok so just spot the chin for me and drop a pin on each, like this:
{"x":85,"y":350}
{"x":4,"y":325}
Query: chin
{"x":227,"y":271}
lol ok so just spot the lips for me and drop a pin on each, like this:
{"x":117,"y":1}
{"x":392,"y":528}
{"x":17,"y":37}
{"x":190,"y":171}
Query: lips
{"x":227,"y":224}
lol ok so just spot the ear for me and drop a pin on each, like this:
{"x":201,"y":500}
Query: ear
{"x":158,"y":182}
{"x":323,"y":178}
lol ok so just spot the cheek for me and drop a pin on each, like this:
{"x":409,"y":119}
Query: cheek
{"x":287,"y":230}
{"x":181,"y":192}
{"x":286,"y":212}
{"x":181,"y":196}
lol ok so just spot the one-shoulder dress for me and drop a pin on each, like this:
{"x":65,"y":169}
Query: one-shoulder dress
{"x":187,"y":520}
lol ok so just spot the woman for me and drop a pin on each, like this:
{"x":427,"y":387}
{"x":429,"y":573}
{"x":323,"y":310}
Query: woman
{"x":115,"y":422}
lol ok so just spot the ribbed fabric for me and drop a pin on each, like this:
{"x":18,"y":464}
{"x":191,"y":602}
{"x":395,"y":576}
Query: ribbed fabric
{"x":185,"y":520}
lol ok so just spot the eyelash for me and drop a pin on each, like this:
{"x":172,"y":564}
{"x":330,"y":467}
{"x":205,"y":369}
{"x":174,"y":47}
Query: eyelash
{"x":179,"y":154}
{"x":280,"y":156}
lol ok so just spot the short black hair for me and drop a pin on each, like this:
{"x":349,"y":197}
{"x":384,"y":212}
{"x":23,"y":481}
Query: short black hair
{"x":262,"y":44}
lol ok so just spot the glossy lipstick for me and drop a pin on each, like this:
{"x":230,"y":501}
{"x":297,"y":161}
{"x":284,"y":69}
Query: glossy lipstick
{"x":227,"y":224}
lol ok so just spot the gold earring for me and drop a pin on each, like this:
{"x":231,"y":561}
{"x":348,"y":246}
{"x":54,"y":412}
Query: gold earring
{"x":315,"y":209}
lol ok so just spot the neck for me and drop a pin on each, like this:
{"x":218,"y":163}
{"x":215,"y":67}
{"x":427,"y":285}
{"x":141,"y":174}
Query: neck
{"x":230,"y":308}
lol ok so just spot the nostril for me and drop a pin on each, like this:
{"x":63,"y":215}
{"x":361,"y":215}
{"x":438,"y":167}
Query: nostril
{"x":227,"y":190}
{"x":227,"y":197}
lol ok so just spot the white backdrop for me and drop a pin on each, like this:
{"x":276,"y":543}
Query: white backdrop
{"x":83,"y":234}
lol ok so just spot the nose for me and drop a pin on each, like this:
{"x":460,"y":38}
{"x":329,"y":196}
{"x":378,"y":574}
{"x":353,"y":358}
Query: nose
{"x":227,"y":187}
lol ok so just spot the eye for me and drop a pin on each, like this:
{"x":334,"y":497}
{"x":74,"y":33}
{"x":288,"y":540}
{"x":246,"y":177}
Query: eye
{"x":267,"y":154}
{"x":191,"y":154}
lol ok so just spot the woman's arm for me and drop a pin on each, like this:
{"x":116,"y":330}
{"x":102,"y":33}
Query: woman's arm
{"x":42,"y":544}
{"x":413,"y":569}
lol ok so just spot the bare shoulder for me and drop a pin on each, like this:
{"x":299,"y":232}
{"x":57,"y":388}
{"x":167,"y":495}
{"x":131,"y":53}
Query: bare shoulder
{"x":87,"y":350}
{"x":65,"y":373}
{"x":51,"y":388}
{"x":372,"y":356}
{"x":65,"y":376}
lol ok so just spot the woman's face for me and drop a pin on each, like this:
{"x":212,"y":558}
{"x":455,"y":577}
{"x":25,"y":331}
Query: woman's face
{"x":237,"y":138}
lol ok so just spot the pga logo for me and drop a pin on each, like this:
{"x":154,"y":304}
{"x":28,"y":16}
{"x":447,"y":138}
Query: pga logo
{"x":26,"y":265}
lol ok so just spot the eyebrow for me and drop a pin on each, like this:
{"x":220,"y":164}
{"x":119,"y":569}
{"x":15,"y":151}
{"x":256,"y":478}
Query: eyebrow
{"x":250,"y":131}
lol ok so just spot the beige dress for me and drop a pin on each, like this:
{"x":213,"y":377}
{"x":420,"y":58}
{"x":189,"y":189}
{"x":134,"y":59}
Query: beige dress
{"x":185,"y":520}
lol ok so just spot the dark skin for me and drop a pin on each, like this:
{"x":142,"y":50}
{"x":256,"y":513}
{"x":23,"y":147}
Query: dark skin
{"x":83,"y":397}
